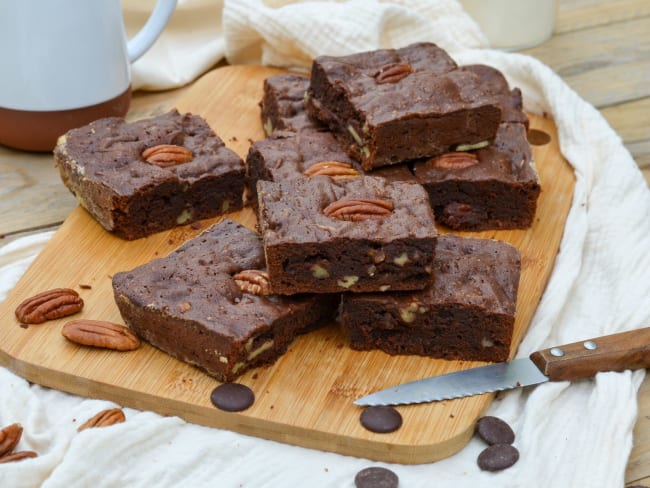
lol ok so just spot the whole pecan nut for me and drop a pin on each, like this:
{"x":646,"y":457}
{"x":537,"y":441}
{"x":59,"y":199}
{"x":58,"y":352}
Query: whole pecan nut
{"x":107,"y":417}
{"x":9,"y":438}
{"x":49,"y":305}
{"x":455,"y":160}
{"x":253,"y":281}
{"x":18,"y":456}
{"x":357,"y":209}
{"x":392,"y":73}
{"x":333,"y":169}
{"x":100,"y":333}
{"x":167,"y":155}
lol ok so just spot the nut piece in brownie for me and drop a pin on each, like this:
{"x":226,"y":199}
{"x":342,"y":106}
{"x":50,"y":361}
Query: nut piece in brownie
{"x":495,"y":187}
{"x":393,"y":105}
{"x":466,"y":313}
{"x":365,"y":234}
{"x":143,"y":177}
{"x":207,"y":304}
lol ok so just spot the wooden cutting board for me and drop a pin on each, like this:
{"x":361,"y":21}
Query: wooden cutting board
{"x":306,"y":397}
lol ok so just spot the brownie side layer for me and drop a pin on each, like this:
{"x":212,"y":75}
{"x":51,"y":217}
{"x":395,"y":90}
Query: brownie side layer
{"x":467,"y":312}
{"x":102,"y":165}
{"x":189,"y":306}
{"x":309,"y":251}
{"x":495,"y":85}
{"x":283,"y":104}
{"x":430,"y":109}
{"x":500,"y":191}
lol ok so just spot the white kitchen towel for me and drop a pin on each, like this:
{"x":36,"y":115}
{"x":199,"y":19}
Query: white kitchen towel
{"x":577,"y":434}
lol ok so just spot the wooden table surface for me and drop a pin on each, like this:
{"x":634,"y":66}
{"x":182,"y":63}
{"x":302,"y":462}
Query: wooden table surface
{"x":601,"y":48}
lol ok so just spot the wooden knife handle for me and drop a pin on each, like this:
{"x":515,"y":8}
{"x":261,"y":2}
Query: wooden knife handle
{"x":616,"y":352}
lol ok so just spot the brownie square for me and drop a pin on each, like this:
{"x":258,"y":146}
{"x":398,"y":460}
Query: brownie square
{"x":296,"y":146}
{"x":495,"y":187}
{"x":298,"y":155}
{"x":283,"y":104}
{"x":326,"y":236}
{"x":496,"y":86}
{"x":103,"y":165}
{"x":191,"y":306}
{"x":393,"y":105}
{"x":466,"y":313}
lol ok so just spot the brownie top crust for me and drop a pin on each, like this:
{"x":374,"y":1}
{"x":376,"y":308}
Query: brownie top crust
{"x":508,"y":158}
{"x":196,"y":282}
{"x":480,"y":272}
{"x":510,"y":100}
{"x":433,"y":83}
{"x":293,"y":211}
{"x":289,"y":154}
{"x":110,"y":150}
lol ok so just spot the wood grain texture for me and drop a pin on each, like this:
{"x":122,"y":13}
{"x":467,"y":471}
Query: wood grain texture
{"x":575,"y":15}
{"x":306,"y":397}
{"x":601,"y":63}
{"x":601,"y":48}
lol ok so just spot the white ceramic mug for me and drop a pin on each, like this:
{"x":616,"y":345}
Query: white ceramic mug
{"x":513,"y":24}
{"x":64,"y":64}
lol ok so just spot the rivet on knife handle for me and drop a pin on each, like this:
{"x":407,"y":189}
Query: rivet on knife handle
{"x":616,"y":352}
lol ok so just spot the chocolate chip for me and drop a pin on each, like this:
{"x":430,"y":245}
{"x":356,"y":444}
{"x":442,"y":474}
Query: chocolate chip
{"x":497,"y":457}
{"x":381,"y":419}
{"x":493,"y":430}
{"x":538,"y":137}
{"x":232,"y":397}
{"x":376,"y":477}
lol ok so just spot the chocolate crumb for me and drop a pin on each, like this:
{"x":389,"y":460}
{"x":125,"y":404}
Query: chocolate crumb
{"x":85,"y":287}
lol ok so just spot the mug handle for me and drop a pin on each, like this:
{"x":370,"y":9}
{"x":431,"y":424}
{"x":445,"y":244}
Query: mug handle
{"x":157,"y":21}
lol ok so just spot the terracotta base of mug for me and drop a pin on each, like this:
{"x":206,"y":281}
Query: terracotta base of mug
{"x":38,"y":131}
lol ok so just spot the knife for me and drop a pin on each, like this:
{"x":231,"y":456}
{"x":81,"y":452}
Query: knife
{"x":615,"y":352}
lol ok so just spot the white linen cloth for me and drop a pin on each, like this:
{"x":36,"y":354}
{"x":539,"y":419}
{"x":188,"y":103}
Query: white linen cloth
{"x":577,"y":434}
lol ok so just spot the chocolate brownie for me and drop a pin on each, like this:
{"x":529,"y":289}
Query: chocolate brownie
{"x":467,"y":312}
{"x":297,"y":155}
{"x":495,"y":85}
{"x":283,"y":104}
{"x":296,"y":146}
{"x":365,"y":234}
{"x":189,"y":175}
{"x":205,"y":304}
{"x":495,"y":187}
{"x":393,"y":105}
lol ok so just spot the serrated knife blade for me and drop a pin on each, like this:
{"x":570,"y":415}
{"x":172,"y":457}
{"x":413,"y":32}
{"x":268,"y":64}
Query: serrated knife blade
{"x":616,"y":352}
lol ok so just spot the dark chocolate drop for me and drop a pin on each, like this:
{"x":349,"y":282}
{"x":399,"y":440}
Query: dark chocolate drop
{"x":493,"y":430}
{"x":381,"y":419}
{"x":497,"y":457}
{"x":538,"y":137}
{"x":232,"y":397}
{"x":376,"y":477}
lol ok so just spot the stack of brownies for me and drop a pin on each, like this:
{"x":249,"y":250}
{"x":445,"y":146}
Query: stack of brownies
{"x":357,"y":160}
{"x":361,"y":161}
